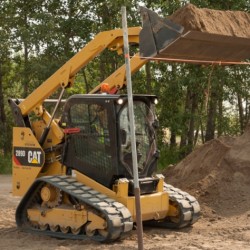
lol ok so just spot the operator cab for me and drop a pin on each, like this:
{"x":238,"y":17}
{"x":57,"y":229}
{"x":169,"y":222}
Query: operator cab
{"x":98,"y":136}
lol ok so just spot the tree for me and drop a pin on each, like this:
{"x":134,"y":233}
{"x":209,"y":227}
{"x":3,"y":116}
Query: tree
{"x":4,"y":67}
{"x":41,"y":35}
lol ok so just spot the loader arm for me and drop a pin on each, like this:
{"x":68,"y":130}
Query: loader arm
{"x":64,"y":77}
{"x":117,"y":80}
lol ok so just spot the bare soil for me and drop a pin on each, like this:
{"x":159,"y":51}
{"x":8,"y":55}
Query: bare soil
{"x":217,"y":174}
{"x":215,"y":230}
{"x":231,"y":23}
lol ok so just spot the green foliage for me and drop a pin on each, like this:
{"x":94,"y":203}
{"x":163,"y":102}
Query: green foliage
{"x":5,"y":164}
{"x":39,"y":36}
{"x":168,"y":156}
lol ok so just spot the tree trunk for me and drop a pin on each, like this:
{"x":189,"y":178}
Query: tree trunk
{"x":26,"y":78}
{"x":173,"y":139}
{"x":26,"y":61}
{"x":191,"y":129}
{"x":184,"y":135}
{"x":199,"y":126}
{"x":220,"y":117}
{"x":2,"y":114}
{"x":241,"y":113}
{"x":210,"y":127}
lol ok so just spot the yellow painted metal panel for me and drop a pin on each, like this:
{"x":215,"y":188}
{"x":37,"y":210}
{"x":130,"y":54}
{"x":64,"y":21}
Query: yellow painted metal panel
{"x":27,"y":160}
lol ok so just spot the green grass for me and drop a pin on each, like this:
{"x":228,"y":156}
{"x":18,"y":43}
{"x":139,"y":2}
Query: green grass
{"x":5,"y":164}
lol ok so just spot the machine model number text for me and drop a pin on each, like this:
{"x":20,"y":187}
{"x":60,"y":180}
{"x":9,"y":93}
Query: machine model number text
{"x":20,"y":153}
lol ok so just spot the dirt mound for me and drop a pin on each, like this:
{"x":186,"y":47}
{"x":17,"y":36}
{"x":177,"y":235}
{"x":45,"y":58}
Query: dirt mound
{"x":217,"y":174}
{"x":231,"y":23}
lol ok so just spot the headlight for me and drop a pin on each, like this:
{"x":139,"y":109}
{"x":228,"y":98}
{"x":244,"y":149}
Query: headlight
{"x":156,"y":101}
{"x":120,"y":101}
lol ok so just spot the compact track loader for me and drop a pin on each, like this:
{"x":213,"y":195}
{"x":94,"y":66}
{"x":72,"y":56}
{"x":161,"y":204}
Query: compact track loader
{"x":75,"y":173}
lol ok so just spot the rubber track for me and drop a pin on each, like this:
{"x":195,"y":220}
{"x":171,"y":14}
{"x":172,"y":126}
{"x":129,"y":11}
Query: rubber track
{"x":189,"y":209}
{"x":117,"y":216}
{"x":189,"y":206}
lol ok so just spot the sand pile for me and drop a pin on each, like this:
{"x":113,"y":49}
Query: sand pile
{"x":231,"y":23}
{"x":217,"y":174}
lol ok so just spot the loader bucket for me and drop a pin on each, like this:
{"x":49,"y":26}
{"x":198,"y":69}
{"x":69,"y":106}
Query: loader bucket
{"x":163,"y":38}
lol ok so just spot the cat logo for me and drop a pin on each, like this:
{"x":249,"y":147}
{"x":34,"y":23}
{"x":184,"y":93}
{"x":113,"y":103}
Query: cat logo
{"x":24,"y":156}
{"x":34,"y":157}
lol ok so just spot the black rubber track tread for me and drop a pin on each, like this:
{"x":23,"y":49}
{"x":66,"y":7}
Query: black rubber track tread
{"x":110,"y":209}
{"x":179,"y":196}
{"x":189,"y":209}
